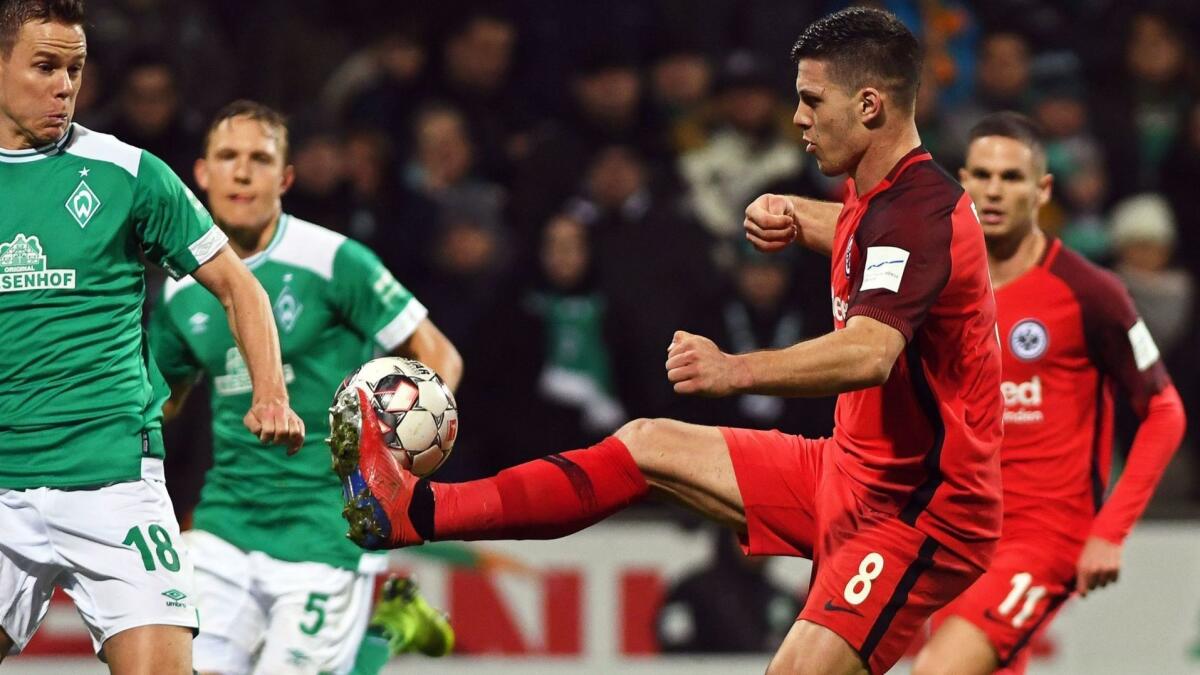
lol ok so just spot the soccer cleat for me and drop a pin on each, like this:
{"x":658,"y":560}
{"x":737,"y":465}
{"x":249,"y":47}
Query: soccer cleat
{"x":376,"y":489}
{"x":408,"y":622}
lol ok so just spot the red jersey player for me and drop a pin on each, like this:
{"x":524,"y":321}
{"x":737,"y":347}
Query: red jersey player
{"x":900,"y":509}
{"x":1069,"y":333}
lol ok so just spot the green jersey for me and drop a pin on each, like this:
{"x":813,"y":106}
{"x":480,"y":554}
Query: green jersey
{"x":335,"y":305}
{"x":81,"y":400}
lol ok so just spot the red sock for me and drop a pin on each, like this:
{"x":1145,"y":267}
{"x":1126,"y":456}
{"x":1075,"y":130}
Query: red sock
{"x":547,"y":498}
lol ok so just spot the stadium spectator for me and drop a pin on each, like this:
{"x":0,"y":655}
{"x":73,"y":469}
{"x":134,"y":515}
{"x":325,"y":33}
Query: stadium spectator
{"x":1141,"y":113}
{"x":198,"y":44}
{"x":1179,"y":173}
{"x":761,"y":309}
{"x":1078,"y":215}
{"x":321,"y":192}
{"x":1073,"y":156}
{"x":680,"y":82}
{"x":476,"y":77}
{"x":1002,"y":80}
{"x":553,"y":333}
{"x":606,"y":107}
{"x":750,"y":145}
{"x":731,"y":605}
{"x":151,"y":112}
{"x":631,"y":219}
{"x":382,"y":85}
{"x":572,"y":313}
{"x":1143,"y":238}
{"x":469,"y":261}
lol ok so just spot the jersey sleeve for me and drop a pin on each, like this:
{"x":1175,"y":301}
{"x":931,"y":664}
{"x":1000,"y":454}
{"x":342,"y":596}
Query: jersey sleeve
{"x":1119,"y":342}
{"x":172,"y":354}
{"x":371,"y":299}
{"x":175,"y":230}
{"x":902,"y":263}
{"x":1123,"y":349}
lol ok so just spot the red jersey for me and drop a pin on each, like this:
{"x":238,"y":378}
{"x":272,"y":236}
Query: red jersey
{"x":1070,"y":332}
{"x":924,"y":445}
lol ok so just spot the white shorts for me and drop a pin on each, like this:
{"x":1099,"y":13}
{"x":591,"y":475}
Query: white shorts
{"x":115,"y":550}
{"x":269,"y":616}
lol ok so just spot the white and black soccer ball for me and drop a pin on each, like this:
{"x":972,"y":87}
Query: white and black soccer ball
{"x":417,"y":413}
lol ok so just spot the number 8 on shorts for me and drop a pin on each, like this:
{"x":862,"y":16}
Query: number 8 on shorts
{"x":859,"y":586}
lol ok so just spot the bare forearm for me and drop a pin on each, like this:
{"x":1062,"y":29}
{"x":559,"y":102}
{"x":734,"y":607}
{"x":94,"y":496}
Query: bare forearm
{"x":831,"y":364}
{"x":817,"y":222}
{"x":253,"y":326}
{"x":431,"y":347}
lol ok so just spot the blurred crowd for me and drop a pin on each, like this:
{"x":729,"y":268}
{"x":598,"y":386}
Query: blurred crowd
{"x":562,"y":183}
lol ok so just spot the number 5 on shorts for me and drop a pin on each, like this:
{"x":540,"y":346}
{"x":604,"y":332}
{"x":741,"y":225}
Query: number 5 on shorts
{"x":316,"y":603}
{"x":859,"y":586}
{"x":165,"y":551}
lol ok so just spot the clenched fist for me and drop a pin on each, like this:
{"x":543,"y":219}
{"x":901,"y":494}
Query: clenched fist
{"x":771,"y":223}
{"x":273,"y":421}
{"x":696,"y":366}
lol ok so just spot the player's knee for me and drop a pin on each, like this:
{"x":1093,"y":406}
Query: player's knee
{"x":647,"y":440}
{"x":638,"y":435}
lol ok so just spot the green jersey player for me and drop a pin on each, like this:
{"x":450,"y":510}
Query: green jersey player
{"x":279,"y":586}
{"x":82,"y":501}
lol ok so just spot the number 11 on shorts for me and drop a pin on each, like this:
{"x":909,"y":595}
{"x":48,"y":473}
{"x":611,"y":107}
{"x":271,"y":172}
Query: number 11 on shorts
{"x":1021,"y":586}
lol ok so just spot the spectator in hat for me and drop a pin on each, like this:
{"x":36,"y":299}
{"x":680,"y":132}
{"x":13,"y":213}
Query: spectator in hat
{"x":1143,"y":239}
{"x":750,"y":145}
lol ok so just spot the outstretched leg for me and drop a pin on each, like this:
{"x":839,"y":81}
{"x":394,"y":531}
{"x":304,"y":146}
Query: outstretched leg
{"x":543,"y":499}
{"x":560,"y":494}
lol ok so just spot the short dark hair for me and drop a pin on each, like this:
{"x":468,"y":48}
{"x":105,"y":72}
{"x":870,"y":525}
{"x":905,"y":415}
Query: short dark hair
{"x":863,"y":46}
{"x":251,"y":110}
{"x":17,"y":13}
{"x":1014,"y":125}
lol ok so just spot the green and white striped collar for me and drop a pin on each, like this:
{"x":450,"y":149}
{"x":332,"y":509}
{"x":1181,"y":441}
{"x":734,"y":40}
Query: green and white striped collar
{"x":34,"y":154}
{"x":261,"y":257}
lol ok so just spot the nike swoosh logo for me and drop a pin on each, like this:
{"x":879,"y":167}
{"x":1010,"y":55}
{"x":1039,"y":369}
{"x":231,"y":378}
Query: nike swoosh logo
{"x":830,"y":607}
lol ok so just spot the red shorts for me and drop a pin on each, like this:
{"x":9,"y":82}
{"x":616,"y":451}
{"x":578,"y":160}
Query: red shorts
{"x":876,"y":580}
{"x":1016,"y":598}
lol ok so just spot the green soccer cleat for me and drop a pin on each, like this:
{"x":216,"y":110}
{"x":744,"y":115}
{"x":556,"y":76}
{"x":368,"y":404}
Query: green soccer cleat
{"x":408,"y":622}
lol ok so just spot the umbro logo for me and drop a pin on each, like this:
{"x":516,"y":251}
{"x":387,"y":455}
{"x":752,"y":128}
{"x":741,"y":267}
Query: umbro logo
{"x":175,"y":598}
{"x":830,"y":607}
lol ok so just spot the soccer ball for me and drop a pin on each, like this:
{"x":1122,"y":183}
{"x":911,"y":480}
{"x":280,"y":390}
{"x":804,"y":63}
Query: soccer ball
{"x":417,"y":413}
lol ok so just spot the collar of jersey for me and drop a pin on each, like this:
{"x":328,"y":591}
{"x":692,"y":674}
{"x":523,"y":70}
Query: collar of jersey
{"x":34,"y":154}
{"x":260,"y":257}
{"x":917,"y":154}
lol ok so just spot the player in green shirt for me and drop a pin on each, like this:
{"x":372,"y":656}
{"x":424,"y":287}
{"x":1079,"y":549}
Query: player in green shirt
{"x":278,"y":583}
{"x":82,"y":501}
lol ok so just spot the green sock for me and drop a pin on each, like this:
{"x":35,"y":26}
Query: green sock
{"x":373,"y":653}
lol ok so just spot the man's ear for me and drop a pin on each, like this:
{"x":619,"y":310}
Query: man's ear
{"x":200,"y":171}
{"x":289,"y":178}
{"x":869,"y":106}
{"x":1045,"y":189}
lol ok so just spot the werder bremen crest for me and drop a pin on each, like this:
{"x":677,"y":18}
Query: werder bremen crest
{"x":83,"y":203}
{"x":287,"y":309}
{"x":23,"y":267}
